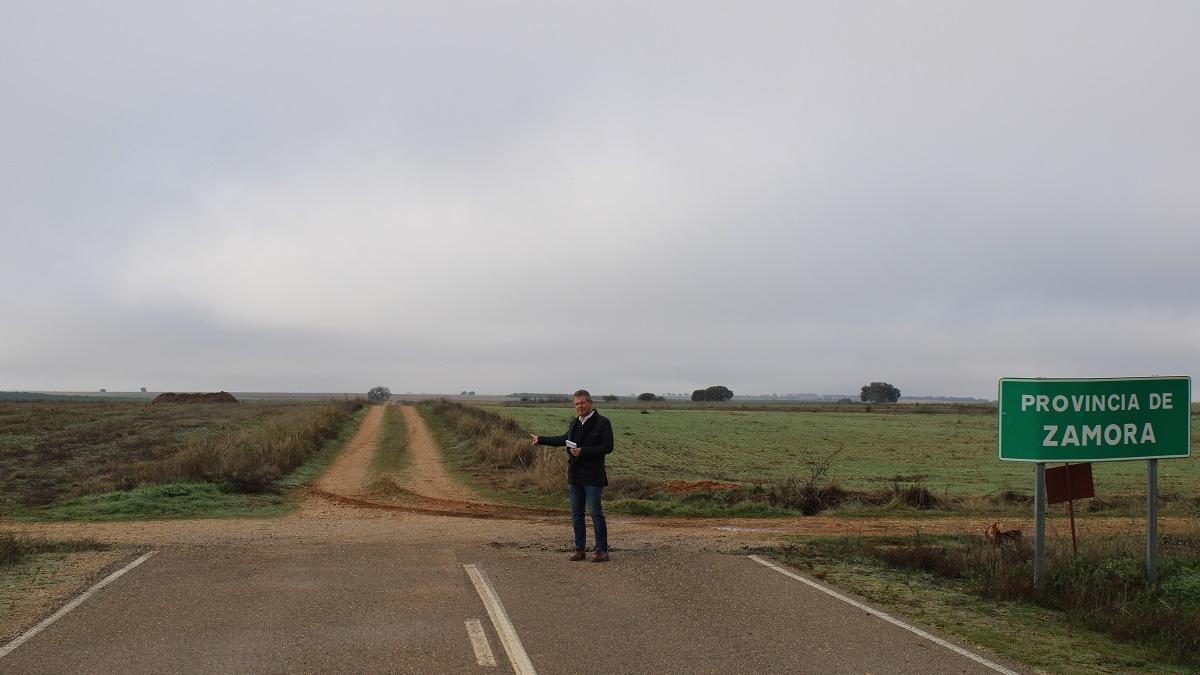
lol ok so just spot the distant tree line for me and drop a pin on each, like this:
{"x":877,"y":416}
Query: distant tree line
{"x":534,"y":397}
{"x":527,"y":397}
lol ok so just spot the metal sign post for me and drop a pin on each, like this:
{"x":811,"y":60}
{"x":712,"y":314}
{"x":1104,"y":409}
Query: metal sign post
{"x":1039,"y":523}
{"x":1071,"y":515}
{"x":1152,"y":520}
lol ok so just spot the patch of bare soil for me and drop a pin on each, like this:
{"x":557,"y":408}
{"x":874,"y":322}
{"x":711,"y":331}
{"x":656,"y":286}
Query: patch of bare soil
{"x":427,"y":476}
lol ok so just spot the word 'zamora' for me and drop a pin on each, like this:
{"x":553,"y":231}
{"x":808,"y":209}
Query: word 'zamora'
{"x":1097,"y":434}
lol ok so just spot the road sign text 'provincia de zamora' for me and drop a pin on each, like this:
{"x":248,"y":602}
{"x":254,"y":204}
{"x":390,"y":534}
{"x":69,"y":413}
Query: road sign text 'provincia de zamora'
{"x":1094,"y":420}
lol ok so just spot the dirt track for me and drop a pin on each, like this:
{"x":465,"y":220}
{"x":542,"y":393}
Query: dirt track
{"x":348,"y":473}
{"x":428,"y":477}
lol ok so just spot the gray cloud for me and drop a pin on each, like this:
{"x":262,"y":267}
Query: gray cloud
{"x":537,"y":196}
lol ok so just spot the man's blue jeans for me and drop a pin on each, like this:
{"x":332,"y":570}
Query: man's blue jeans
{"x":590,"y":493}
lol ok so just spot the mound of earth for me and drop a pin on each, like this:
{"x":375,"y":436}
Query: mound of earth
{"x":203,"y":397}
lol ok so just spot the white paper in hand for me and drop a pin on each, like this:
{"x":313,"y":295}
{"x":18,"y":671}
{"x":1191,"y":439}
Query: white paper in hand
{"x":572,"y":444}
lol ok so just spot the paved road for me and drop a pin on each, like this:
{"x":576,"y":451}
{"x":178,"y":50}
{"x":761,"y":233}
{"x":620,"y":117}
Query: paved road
{"x":402,"y":607}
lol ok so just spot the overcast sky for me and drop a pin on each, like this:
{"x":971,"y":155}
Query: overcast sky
{"x":521,"y":196}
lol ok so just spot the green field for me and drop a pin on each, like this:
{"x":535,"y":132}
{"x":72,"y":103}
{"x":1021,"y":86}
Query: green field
{"x":951,"y":453}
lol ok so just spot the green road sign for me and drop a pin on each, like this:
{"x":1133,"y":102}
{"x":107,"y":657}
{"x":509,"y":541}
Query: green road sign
{"x":1094,"y":420}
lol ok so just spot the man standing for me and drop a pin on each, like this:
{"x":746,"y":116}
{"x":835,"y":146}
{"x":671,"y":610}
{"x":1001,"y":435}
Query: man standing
{"x":588,"y":440}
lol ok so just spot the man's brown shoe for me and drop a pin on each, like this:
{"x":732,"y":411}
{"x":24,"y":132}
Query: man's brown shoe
{"x":600,"y":556}
{"x":577,"y":555}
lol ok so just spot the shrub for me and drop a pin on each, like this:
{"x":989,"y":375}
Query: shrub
{"x":801,"y":495}
{"x":914,"y":495}
{"x":249,"y":461}
{"x":1015,"y":497}
{"x":1104,"y":587}
{"x":1182,"y":589}
{"x":501,"y":443}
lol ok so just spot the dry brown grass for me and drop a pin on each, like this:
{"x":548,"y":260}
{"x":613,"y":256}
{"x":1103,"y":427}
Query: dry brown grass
{"x":53,"y":452}
{"x":16,"y":548}
{"x":1104,"y":587}
{"x":252,"y":459}
{"x":500,"y":442}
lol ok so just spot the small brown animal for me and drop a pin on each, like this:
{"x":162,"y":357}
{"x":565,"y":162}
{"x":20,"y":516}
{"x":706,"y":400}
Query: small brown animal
{"x":998,"y":536}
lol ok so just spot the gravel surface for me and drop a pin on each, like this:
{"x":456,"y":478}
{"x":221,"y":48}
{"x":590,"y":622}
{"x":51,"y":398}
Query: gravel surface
{"x":428,"y":476}
{"x":349,"y":472}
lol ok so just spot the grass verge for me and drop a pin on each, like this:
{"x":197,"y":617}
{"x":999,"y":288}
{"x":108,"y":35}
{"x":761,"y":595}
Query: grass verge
{"x":39,"y":575}
{"x":15,"y":548}
{"x":392,"y":456}
{"x":1095,"y":614}
{"x":392,"y":460}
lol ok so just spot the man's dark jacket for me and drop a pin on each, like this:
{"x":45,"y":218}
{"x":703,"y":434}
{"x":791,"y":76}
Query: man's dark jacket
{"x":595,"y":440}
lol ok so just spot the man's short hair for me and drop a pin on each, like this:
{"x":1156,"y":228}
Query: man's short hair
{"x":584,"y":393}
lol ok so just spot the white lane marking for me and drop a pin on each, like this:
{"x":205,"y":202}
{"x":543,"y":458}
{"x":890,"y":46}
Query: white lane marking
{"x":8,"y":648}
{"x":504,"y":628}
{"x":479,"y":641}
{"x":887,"y":617}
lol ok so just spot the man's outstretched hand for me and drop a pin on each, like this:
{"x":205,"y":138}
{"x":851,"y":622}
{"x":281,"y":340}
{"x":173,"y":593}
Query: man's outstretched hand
{"x":533,"y":439}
